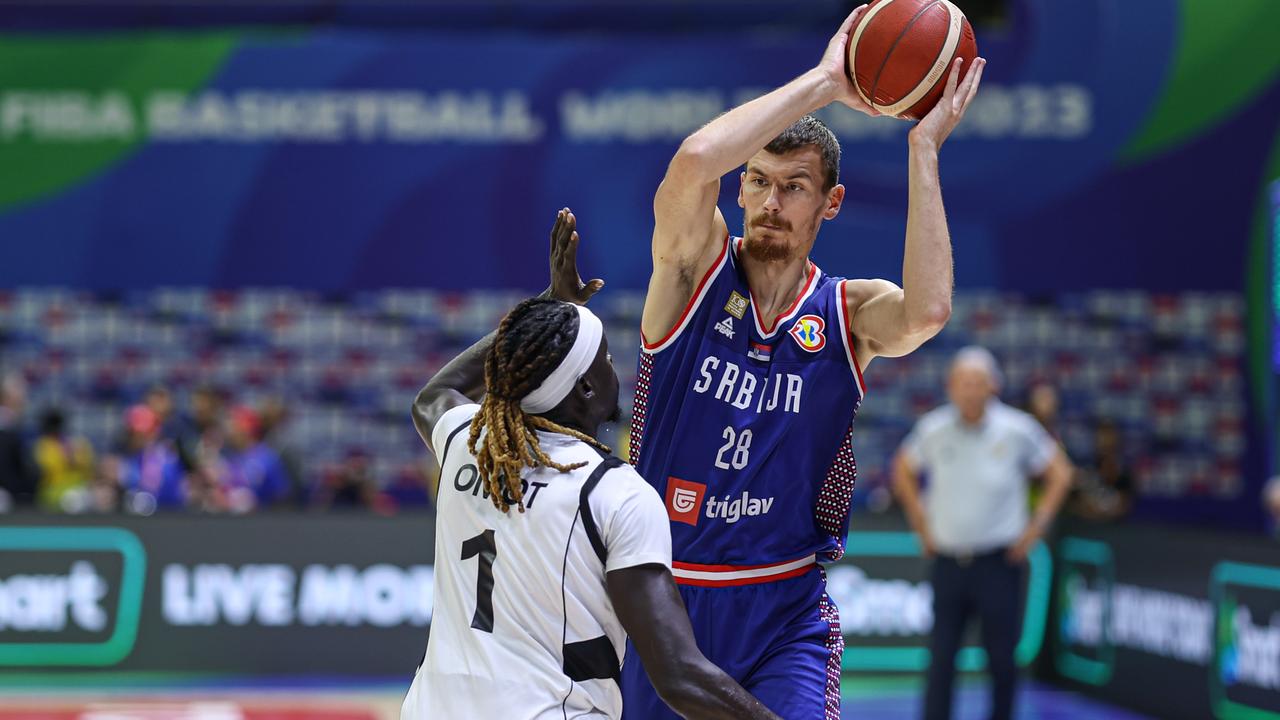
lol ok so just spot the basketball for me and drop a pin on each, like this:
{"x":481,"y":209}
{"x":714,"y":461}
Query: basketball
{"x":901,"y":50}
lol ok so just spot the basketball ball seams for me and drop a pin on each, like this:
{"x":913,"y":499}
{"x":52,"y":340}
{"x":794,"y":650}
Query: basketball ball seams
{"x":907,"y":48}
{"x":875,"y":84}
{"x":851,"y":51}
{"x":941,"y":64}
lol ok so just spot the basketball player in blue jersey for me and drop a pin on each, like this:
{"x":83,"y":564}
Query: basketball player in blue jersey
{"x":751,"y":374}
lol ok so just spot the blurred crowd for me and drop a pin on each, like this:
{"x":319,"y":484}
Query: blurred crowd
{"x":1103,"y":488}
{"x":219,"y":457}
{"x":212,"y":456}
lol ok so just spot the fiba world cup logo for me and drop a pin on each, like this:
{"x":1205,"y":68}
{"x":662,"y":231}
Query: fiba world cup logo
{"x":808,"y":332}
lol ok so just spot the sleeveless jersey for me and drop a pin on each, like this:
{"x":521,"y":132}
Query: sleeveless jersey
{"x":523,"y":627}
{"x":744,"y":429}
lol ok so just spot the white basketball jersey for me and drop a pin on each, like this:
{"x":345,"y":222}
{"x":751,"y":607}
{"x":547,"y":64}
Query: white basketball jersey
{"x":522,"y":627}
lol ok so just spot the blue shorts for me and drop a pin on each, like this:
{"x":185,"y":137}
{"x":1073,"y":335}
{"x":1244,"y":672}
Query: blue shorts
{"x":780,"y":640}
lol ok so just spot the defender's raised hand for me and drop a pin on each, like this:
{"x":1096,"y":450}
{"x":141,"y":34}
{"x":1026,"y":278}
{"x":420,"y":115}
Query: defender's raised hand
{"x":566,"y":283}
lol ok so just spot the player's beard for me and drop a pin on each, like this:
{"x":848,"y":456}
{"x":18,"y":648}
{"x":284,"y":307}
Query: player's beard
{"x":762,"y":249}
{"x":767,"y":250}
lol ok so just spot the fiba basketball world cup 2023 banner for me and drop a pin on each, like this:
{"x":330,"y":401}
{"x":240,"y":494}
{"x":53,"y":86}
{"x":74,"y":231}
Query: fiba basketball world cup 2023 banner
{"x":345,"y":148}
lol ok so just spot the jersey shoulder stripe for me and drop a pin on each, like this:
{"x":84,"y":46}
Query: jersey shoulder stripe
{"x":698,"y":294}
{"x":444,"y":451}
{"x":588,"y":520}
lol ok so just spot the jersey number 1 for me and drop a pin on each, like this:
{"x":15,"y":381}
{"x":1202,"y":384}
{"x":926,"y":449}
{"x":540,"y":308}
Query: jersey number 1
{"x":486,"y":547}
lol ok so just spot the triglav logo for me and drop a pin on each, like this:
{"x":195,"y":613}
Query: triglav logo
{"x":69,"y":595}
{"x":733,"y":509}
{"x":683,"y":500}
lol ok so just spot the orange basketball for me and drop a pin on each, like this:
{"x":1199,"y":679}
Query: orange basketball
{"x":901,"y":50}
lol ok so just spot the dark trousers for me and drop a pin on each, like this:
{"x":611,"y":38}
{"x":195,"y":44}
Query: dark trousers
{"x":989,"y":587}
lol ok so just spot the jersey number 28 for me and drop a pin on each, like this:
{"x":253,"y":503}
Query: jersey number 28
{"x":741,"y":453}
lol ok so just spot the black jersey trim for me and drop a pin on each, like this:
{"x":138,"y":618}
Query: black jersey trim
{"x":584,"y":509}
{"x":594,"y":659}
{"x":444,"y":452}
{"x":564,"y":609}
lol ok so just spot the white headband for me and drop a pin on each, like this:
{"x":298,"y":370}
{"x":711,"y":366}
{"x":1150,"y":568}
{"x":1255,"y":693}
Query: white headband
{"x":557,"y":385}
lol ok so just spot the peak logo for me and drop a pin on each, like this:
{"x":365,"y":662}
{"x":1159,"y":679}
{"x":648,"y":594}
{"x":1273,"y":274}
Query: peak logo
{"x":69,"y":596}
{"x":684,"y":499}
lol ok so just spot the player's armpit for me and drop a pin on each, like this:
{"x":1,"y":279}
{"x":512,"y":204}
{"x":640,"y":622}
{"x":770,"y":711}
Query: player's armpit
{"x":881,"y":325}
{"x":651,"y":611}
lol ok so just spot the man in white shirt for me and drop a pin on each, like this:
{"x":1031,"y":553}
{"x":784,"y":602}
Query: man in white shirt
{"x":549,"y":550}
{"x":978,"y":455}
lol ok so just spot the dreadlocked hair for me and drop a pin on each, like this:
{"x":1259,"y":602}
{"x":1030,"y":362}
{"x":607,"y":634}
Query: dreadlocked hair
{"x":532,"y":340}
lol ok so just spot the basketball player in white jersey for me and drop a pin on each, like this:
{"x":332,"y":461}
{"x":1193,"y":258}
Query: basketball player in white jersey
{"x":549,"y":550}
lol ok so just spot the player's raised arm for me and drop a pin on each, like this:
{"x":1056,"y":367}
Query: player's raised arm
{"x":893,"y":321}
{"x":461,"y":381}
{"x":688,"y":227}
{"x":652,"y":613}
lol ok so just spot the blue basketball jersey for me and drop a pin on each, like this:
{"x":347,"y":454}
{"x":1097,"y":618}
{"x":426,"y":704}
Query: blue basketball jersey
{"x":745,"y":429}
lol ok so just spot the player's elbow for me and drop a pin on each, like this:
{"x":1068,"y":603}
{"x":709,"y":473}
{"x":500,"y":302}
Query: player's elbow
{"x":693,"y":162}
{"x":930,"y":319}
{"x":420,"y":409}
{"x":684,"y":686}
{"x":679,"y":695}
{"x":421,"y":401}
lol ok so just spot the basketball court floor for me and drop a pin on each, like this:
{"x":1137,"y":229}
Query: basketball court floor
{"x":336,"y":699}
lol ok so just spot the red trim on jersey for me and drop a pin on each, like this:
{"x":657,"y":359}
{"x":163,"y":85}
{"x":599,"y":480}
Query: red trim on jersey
{"x":727,"y":568}
{"x":744,"y":581}
{"x":693,"y":300}
{"x":848,"y":329}
{"x":813,"y":272}
{"x":732,"y":575}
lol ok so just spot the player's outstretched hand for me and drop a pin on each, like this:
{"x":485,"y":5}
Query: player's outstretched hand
{"x":566,"y":283}
{"x":933,"y":130}
{"x":835,"y":65}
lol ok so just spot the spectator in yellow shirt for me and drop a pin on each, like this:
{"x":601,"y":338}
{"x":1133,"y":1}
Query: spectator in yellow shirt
{"x":65,"y":463}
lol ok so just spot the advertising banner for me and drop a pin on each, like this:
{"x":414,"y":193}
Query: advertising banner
{"x":1176,"y":624}
{"x":288,"y":594}
{"x":347,"y":595}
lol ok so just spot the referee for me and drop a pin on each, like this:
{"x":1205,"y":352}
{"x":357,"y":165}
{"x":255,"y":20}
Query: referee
{"x":978,"y":455}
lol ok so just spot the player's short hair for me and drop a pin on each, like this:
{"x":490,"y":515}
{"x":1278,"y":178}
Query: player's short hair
{"x":531,"y":341}
{"x":806,"y":131}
